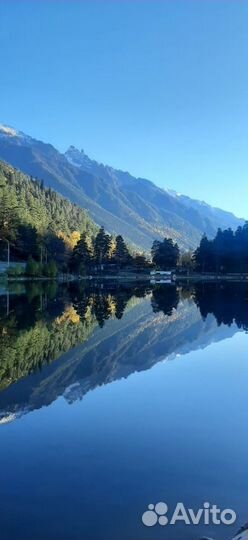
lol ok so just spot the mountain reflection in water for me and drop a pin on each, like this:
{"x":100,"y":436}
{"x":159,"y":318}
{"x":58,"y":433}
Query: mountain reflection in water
{"x":67,"y":340}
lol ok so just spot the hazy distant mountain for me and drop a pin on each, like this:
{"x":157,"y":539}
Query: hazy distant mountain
{"x":133,"y":207}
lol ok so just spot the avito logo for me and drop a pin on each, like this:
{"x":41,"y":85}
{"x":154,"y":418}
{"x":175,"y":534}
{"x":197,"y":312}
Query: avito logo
{"x":158,"y":514}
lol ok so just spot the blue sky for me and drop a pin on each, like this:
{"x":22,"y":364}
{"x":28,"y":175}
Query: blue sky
{"x":156,"y":87}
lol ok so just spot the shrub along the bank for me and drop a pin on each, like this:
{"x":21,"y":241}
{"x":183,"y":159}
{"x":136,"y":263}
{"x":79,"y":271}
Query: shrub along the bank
{"x":34,"y":269}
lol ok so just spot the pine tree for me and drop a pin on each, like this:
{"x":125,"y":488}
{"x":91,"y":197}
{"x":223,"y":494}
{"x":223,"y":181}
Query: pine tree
{"x":227,"y":252}
{"x":81,"y":255}
{"x":121,"y":254}
{"x":8,"y":212}
{"x":101,"y":246}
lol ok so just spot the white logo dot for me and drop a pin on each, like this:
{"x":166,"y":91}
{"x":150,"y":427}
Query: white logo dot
{"x":161,"y":508}
{"x":149,"y":518}
{"x":163,"y":520}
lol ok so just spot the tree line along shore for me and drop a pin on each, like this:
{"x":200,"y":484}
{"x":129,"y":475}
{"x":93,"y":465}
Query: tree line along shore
{"x":224,"y":256}
{"x":47,"y":236}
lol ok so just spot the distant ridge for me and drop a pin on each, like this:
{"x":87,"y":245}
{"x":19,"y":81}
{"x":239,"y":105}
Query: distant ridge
{"x":133,"y":207}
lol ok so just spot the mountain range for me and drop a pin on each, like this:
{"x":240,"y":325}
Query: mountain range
{"x":123,"y":204}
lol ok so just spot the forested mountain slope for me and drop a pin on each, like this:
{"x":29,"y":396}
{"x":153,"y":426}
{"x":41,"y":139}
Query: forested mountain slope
{"x":25,"y":201}
{"x":123,"y":204}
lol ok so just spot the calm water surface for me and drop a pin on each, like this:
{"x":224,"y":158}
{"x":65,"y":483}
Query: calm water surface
{"x":112,"y":399}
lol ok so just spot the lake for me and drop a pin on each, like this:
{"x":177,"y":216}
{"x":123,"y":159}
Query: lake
{"x":115,"y":397}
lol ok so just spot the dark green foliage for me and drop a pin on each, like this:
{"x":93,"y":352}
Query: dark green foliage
{"x":101,"y":246}
{"x":33,"y":268}
{"x":27,"y":242}
{"x":42,"y":208}
{"x":164,"y":299}
{"x":41,"y":225}
{"x":36,"y":269}
{"x":104,"y":253}
{"x":121,"y":255}
{"x":32,"y":217}
{"x":101,"y":308}
{"x":227,"y":252}
{"x":16,"y":271}
{"x":140,"y":262}
{"x":49,"y":329}
{"x":8,"y":210}
{"x":26,"y":350}
{"x":165,"y":254}
{"x":50,"y":269}
{"x":55,"y":246}
{"x":228,"y":302}
{"x":81,"y":255}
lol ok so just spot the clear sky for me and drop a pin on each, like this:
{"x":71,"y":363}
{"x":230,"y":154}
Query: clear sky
{"x":155,"y":87}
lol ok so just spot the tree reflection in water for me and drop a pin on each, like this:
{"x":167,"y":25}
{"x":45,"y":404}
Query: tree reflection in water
{"x":40,"y":322}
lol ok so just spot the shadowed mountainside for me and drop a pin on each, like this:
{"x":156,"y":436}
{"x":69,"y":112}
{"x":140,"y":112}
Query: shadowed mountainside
{"x":123,"y":204}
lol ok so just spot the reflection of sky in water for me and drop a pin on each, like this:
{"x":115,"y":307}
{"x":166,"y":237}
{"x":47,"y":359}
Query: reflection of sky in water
{"x":176,"y":432}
